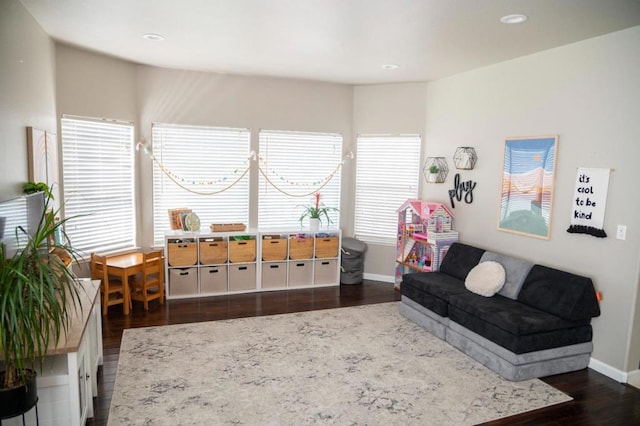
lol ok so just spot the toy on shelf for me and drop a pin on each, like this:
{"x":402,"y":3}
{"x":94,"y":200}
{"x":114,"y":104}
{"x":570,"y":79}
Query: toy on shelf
{"x":425,"y":233}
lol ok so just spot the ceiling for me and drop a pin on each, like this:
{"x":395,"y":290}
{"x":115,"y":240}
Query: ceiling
{"x":343,"y":41}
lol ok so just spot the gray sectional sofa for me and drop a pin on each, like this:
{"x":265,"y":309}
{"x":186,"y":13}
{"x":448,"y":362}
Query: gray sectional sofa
{"x":538,"y":324}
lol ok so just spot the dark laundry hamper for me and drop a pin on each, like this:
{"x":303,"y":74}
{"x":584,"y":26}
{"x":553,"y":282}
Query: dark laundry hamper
{"x":352,"y":264}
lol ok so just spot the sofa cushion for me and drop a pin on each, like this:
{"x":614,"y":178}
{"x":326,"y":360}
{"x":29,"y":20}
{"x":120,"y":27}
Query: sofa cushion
{"x":521,"y":344}
{"x":432,"y":290}
{"x":564,"y":294}
{"x":460,"y":259}
{"x":485,"y":279}
{"x":429,"y":301}
{"x":510,"y":315}
{"x":516,"y":271}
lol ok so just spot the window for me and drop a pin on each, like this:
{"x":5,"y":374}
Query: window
{"x":297,"y":164}
{"x":204,"y":170}
{"x":387,"y":173}
{"x":98,"y":182}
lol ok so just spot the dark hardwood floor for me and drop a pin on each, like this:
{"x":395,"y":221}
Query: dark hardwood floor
{"x":598,"y":400}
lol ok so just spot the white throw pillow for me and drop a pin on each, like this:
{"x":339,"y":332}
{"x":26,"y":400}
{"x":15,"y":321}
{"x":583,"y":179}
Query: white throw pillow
{"x":486,"y":278}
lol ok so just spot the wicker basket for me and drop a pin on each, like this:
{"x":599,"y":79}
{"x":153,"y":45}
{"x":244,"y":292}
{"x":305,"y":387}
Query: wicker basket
{"x":326,"y":247}
{"x":274,"y":248}
{"x":182,"y":252}
{"x":300,"y":248}
{"x":227,"y":227}
{"x":213,"y":251}
{"x":242,"y":251}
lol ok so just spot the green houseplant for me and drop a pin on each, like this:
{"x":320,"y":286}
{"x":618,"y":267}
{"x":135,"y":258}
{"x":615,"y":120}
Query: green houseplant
{"x":317,"y":210}
{"x":33,"y":187}
{"x":433,"y":173}
{"x":38,"y":295}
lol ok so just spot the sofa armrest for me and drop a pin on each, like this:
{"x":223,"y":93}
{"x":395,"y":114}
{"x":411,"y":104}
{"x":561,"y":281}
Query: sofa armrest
{"x":460,"y":259}
{"x":564,"y":294}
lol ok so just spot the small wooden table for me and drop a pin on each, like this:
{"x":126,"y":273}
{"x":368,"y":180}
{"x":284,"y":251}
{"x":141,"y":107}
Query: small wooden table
{"x":123,"y":266}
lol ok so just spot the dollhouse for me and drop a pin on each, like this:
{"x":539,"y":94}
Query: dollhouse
{"x":425,"y":233}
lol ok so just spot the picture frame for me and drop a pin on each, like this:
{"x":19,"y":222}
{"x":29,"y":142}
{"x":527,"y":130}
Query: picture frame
{"x":37,"y":149}
{"x":526,"y":197}
{"x":42,"y":149}
{"x":176,"y":218}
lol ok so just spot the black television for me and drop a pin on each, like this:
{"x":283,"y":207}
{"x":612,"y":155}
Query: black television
{"x":19,"y":220}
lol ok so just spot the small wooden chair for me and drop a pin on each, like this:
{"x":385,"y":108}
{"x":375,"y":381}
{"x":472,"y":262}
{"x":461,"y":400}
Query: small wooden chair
{"x":151,"y":285}
{"x":111,"y":290}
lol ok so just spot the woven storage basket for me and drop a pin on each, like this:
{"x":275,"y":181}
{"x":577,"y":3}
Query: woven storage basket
{"x":326,"y":247}
{"x":213,"y":251}
{"x":300,"y":248}
{"x":182,"y":253}
{"x":242,"y":251}
{"x":274,"y":249}
{"x":227,"y":227}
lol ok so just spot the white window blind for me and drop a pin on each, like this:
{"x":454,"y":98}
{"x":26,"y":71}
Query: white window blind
{"x":204,"y":160}
{"x":98,"y":177}
{"x":387,"y":173}
{"x":296,"y":163}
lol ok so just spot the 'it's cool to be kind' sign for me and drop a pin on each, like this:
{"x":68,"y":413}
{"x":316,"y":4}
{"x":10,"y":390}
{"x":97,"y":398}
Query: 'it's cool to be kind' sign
{"x":589,"y":202}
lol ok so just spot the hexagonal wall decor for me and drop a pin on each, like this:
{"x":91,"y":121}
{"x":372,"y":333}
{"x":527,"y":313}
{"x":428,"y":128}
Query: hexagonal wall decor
{"x":465,"y":158}
{"x":435,"y":169}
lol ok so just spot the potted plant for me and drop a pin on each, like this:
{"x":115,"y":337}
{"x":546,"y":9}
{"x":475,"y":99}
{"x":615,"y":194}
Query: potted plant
{"x":38,"y":294}
{"x":433,"y":173}
{"x":315,"y":213}
{"x":33,"y":187}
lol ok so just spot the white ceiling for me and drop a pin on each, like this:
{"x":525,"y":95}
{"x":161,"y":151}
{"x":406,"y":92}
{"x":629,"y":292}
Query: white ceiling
{"x":345,"y":41}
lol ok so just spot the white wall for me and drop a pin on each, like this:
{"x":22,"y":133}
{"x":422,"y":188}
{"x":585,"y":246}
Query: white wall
{"x":99,"y":86}
{"x":94,"y":85}
{"x":387,"y":109}
{"x":198,"y":98}
{"x":587,"y":93}
{"x":27,"y":91}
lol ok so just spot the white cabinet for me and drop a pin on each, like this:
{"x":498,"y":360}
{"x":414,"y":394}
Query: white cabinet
{"x":67,"y":382}
{"x":209,"y":264}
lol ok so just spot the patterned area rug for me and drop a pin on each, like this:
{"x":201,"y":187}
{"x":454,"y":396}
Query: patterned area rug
{"x":347,"y":366}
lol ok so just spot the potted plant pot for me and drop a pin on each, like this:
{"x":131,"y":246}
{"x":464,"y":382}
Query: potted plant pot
{"x":39,"y":295}
{"x":19,"y":399}
{"x":315,"y":213}
{"x":432,"y":176}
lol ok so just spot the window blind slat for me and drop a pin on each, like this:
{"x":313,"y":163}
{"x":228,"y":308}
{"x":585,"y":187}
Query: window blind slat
{"x":98,"y":178}
{"x":387,"y":173}
{"x":207,"y":159}
{"x":297,"y":162}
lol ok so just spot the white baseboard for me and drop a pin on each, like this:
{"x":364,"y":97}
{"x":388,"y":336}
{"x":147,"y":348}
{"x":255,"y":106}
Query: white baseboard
{"x":609,"y":371}
{"x":379,"y":277}
{"x":633,"y":378}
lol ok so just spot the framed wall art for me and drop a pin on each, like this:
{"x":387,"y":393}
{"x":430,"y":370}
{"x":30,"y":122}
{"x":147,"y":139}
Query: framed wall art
{"x":527,"y":185}
{"x":42,"y":148}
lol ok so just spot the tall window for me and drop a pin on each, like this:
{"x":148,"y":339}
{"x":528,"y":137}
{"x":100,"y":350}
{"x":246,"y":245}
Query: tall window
{"x":387,"y":173}
{"x":203,"y":171}
{"x":98,"y":178}
{"x":295,"y":164}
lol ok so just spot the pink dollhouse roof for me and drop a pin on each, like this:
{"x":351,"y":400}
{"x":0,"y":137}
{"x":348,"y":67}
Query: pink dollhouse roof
{"x":423,"y":208}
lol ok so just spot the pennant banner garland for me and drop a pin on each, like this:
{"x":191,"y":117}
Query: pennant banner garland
{"x":589,"y":202}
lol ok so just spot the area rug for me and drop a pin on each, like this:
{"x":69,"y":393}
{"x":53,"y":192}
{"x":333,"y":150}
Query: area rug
{"x":347,"y":366}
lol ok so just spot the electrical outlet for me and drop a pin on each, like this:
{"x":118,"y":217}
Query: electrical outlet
{"x":621,"y":233}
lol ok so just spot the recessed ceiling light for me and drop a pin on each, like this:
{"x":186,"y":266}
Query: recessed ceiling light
{"x":513,"y":19}
{"x":390,"y":67}
{"x":153,"y":37}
